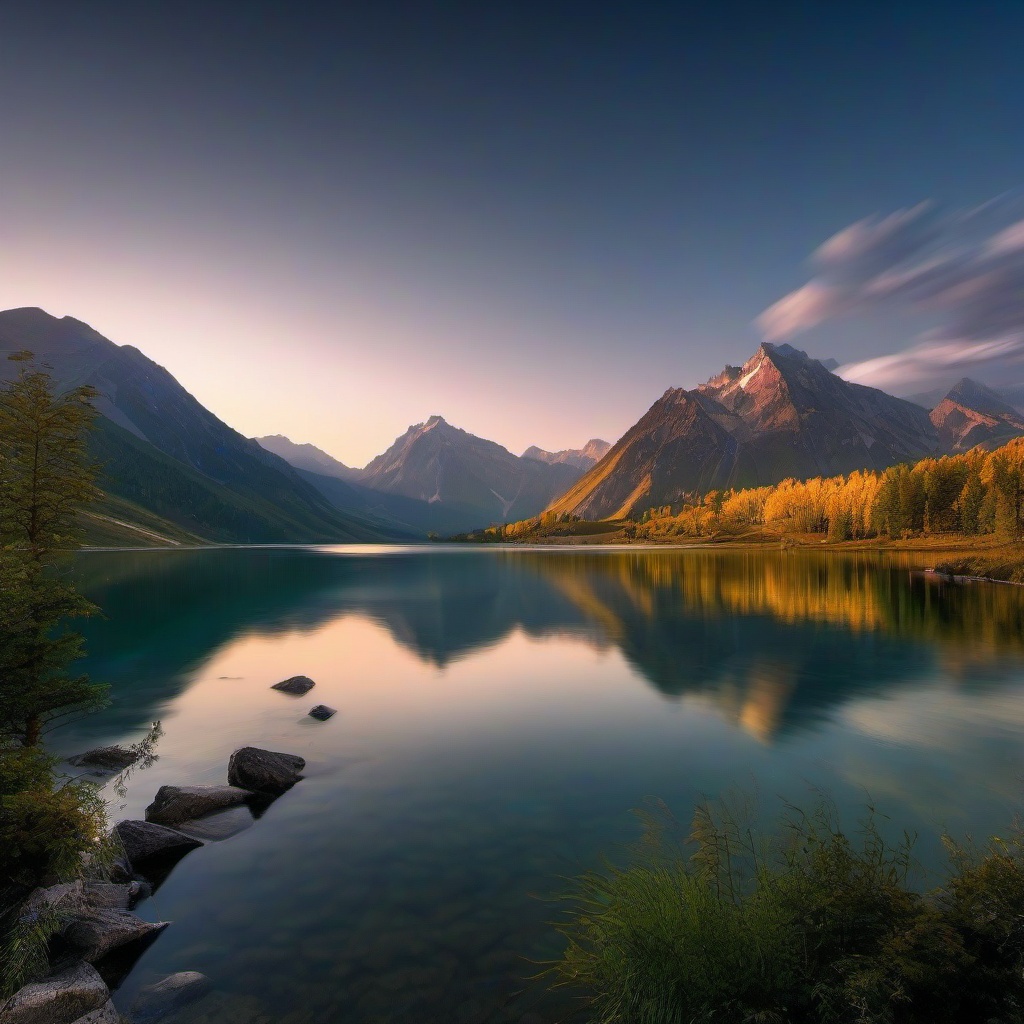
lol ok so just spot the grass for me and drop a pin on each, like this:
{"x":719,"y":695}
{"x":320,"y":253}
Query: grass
{"x":809,"y":924}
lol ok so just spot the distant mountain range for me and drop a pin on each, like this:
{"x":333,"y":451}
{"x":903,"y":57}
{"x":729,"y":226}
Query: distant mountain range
{"x":437,"y":478}
{"x":173,"y":472}
{"x":781,"y":414}
{"x":580,"y":458}
{"x":307,"y":457}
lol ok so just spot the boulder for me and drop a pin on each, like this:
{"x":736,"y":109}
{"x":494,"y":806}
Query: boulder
{"x":115,"y":895}
{"x":63,"y":998}
{"x":322,"y":712}
{"x":67,"y":897}
{"x":176,"y":804}
{"x":106,"y":1014}
{"x":265,"y":771}
{"x":169,"y":995}
{"x":145,"y":840}
{"x":108,"y":759}
{"x":297,"y":685}
{"x":95,"y":933}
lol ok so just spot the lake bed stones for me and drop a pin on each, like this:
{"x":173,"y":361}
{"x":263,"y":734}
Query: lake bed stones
{"x":154,"y":1002}
{"x":264,"y":771}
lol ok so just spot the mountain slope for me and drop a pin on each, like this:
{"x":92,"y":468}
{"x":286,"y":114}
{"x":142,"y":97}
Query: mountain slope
{"x":580,"y":458}
{"x":781,"y":414}
{"x":164,"y":451}
{"x":479,"y":480}
{"x":972,"y":414}
{"x":306,"y":456}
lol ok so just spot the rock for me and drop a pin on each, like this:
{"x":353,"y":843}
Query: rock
{"x":109,"y":759}
{"x":68,"y":897}
{"x":297,"y":685}
{"x":265,"y":771}
{"x":145,"y":840}
{"x":114,"y":895}
{"x":63,"y":998}
{"x":176,"y":804}
{"x":95,"y":933}
{"x":322,"y":712}
{"x":106,"y":1014}
{"x":169,"y":995}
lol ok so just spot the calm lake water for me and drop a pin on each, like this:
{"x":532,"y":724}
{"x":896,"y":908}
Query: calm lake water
{"x":499,"y":714}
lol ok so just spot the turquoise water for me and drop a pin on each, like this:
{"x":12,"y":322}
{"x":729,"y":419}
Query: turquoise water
{"x":500,"y":712}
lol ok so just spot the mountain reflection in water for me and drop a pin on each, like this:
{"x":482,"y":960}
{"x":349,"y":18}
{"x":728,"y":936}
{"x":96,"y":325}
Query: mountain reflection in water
{"x":499,"y":713}
{"x":776,"y":639}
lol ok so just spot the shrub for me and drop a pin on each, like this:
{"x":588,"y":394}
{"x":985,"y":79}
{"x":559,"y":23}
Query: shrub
{"x":808,"y":924}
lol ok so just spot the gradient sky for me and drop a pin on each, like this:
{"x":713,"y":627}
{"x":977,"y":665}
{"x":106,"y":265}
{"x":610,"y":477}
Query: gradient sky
{"x":334,"y":221}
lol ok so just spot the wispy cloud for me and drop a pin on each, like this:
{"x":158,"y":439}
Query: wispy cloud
{"x":963,"y":271}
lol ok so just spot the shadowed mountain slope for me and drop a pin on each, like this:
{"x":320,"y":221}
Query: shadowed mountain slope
{"x":163,"y":450}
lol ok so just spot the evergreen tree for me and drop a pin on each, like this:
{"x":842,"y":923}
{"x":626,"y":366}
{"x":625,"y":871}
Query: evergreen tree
{"x":45,"y":482}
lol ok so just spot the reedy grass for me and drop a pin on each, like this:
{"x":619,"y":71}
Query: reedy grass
{"x":807,"y":924}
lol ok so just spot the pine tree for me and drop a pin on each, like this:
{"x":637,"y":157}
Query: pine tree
{"x":45,"y":481}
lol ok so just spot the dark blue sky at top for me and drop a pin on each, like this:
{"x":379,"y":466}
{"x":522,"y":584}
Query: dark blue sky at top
{"x":600,"y":178}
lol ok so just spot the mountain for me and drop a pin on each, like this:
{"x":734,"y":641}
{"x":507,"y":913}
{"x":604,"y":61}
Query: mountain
{"x":306,"y":456}
{"x":581,"y":458}
{"x":162,"y":450}
{"x":479,"y":480}
{"x":781,"y":414}
{"x":341,"y":486}
{"x":972,"y":414}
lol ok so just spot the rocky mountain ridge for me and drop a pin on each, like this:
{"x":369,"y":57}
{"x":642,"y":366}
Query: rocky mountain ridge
{"x":781,"y":414}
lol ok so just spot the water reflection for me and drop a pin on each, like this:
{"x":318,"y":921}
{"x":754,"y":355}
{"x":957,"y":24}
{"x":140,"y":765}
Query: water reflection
{"x":499,"y":713}
{"x":776,"y":639}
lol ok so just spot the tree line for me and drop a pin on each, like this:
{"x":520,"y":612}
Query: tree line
{"x":971,"y":494}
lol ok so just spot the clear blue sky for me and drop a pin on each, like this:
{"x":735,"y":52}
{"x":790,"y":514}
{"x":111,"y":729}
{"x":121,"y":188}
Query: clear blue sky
{"x":333,"y":221}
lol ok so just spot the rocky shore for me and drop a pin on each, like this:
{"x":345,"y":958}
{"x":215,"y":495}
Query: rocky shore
{"x":100,"y":938}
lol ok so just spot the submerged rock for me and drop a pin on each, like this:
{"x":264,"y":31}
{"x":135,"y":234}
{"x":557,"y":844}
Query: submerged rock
{"x":106,"y":1014}
{"x":110,"y":759}
{"x":174,"y":805}
{"x":297,"y":685}
{"x":322,"y":712}
{"x":155,"y":1002}
{"x":144,"y":841}
{"x":97,"y":932}
{"x":224,"y":824}
{"x":265,"y":771}
{"x":63,"y":998}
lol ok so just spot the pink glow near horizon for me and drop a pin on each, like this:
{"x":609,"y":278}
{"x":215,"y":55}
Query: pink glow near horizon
{"x":323,"y":352}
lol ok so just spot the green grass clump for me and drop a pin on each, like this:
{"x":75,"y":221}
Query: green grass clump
{"x":810,"y":924}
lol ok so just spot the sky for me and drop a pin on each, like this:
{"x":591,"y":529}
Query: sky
{"x":333,"y":221}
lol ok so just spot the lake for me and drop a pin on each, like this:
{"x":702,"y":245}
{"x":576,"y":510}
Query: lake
{"x":500,"y":713}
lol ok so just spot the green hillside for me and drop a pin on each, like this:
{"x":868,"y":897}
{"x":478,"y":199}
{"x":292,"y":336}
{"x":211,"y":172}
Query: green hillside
{"x":135,"y":472}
